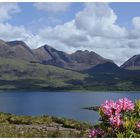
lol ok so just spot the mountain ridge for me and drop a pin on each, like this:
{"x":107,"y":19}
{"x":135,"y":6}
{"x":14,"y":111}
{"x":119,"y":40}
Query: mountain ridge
{"x":46,"y":54}
{"x":79,"y":60}
{"x":132,"y":63}
{"x":48,"y":68}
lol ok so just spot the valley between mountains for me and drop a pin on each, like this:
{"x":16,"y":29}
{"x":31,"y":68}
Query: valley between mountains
{"x":46,"y":68}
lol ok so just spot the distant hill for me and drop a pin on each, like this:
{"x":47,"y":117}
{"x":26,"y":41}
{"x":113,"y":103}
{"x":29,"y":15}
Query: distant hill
{"x":22,"y":50}
{"x":21,"y":74}
{"x":6,"y":50}
{"x":113,"y":69}
{"x":17,"y":50}
{"x":48,"y":55}
{"x":80,"y":60}
{"x":87,"y":59}
{"x":48,"y":68}
{"x":133,"y":63}
{"x":108,"y":68}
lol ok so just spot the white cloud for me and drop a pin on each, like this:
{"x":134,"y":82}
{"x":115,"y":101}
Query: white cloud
{"x":135,"y":33}
{"x":9,"y":33}
{"x":7,"y":10}
{"x":136,"y":23}
{"x":53,"y":7}
{"x":98,"y":19}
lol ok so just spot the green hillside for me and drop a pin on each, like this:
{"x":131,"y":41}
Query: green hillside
{"x":133,"y":68}
{"x":23,"y":74}
{"x":20,"y":74}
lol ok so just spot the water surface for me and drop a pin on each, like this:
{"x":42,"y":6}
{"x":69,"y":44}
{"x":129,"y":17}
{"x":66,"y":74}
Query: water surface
{"x":64,"y":104}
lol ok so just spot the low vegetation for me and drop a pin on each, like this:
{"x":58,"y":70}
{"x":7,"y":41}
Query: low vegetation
{"x":42,"y":126}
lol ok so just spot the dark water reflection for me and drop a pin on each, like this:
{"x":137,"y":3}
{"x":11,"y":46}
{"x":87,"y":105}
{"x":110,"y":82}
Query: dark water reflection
{"x":65,"y":104}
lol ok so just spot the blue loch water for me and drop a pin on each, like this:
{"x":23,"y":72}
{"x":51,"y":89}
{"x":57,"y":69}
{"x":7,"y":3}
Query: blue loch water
{"x":63,"y":104}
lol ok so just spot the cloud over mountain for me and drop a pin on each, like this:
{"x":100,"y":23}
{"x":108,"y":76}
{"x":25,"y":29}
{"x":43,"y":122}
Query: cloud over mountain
{"x":94,"y":28}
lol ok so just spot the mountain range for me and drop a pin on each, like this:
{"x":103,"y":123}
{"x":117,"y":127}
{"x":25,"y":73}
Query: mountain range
{"x":79,"y":60}
{"x":48,"y":68}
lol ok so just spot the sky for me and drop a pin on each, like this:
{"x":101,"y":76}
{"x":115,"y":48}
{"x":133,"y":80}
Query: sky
{"x":110,"y":29}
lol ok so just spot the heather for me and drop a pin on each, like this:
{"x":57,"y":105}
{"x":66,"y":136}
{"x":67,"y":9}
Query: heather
{"x":119,"y":119}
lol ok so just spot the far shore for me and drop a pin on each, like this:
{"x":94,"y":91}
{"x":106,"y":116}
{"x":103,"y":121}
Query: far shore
{"x":67,"y":90}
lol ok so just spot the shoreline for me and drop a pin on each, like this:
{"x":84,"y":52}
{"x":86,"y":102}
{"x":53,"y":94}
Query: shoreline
{"x":67,"y":90}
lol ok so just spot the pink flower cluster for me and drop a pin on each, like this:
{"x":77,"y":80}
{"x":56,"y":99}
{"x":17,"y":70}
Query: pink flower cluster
{"x":125,"y":104}
{"x":116,"y":120}
{"x":97,"y":132}
{"x":112,"y":110}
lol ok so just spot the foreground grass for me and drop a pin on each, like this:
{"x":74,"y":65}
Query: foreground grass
{"x":43,"y":126}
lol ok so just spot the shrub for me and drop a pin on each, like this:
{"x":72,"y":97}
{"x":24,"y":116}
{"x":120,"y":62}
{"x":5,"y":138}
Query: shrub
{"x":118,"y":119}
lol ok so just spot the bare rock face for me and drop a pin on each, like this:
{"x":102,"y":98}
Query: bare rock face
{"x":6,"y":50}
{"x":86,"y":59}
{"x":80,"y":60}
{"x":51,"y":56}
{"x":16,"y":50}
{"x":132,"y":63}
{"x":21,"y":50}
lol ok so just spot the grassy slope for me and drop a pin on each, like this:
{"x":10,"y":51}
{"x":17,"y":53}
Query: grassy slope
{"x":28,"y":126}
{"x":23,"y":74}
{"x":134,"y":68}
{"x":19,"y":74}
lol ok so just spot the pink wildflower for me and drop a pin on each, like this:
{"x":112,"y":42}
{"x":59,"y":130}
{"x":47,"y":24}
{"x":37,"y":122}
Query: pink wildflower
{"x":97,"y":132}
{"x":110,"y":108}
{"x":116,"y":120}
{"x":125,"y":104}
{"x":92,"y":133}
